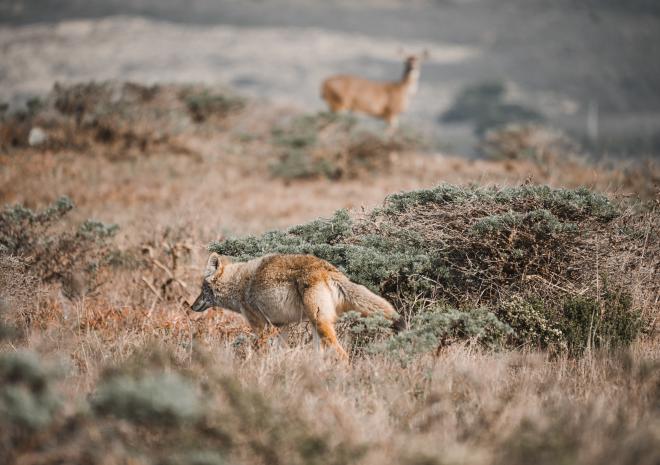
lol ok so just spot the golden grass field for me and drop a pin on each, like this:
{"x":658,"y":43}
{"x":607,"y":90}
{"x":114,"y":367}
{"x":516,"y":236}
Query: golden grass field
{"x":115,"y":368}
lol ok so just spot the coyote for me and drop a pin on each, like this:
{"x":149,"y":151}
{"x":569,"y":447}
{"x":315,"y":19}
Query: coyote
{"x":385,"y":100}
{"x":280,"y":289}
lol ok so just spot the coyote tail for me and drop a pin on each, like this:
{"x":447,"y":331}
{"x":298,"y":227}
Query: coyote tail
{"x":365,"y":302}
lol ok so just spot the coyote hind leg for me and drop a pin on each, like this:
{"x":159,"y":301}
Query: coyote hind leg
{"x":320,"y":310}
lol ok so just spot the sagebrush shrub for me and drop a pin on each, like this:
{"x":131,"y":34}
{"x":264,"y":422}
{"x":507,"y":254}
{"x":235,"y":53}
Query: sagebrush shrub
{"x":119,"y":119}
{"x":153,"y":398}
{"x":519,"y":253}
{"x":333,"y":146}
{"x":439,"y":326}
{"x":533,"y":323}
{"x":363,"y":331}
{"x":203,"y":104}
{"x":610,"y":321}
{"x":50,"y":253}
{"x":27,"y":399}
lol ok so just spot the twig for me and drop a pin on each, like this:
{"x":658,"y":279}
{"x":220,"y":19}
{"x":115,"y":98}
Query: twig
{"x":162,"y":267}
{"x":153,"y":289}
{"x":541,"y":278}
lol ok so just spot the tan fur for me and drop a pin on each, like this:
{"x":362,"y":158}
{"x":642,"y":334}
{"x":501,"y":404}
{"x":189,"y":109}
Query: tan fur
{"x":282,"y":289}
{"x":384,"y":100}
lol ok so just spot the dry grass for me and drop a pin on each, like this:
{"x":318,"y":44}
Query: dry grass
{"x":295,"y":406}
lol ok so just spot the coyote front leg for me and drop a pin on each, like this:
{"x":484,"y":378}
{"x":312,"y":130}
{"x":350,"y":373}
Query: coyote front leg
{"x":259,"y":326}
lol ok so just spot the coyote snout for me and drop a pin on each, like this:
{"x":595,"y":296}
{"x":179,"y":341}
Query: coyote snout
{"x":281,"y":289}
{"x":205,"y":299}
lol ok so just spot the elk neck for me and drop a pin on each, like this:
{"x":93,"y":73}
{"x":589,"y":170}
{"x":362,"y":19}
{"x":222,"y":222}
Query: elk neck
{"x":410,"y":79}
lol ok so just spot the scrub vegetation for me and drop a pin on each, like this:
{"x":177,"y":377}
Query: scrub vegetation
{"x":530,"y":301}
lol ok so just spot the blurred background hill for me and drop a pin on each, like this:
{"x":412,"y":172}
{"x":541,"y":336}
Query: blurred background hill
{"x":586,"y":67}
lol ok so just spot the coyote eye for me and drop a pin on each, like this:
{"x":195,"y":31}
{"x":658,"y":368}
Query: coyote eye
{"x":206,"y":290}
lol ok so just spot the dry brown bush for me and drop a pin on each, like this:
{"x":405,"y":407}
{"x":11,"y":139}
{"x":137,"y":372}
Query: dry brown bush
{"x":332,"y":146}
{"x":117,"y":119}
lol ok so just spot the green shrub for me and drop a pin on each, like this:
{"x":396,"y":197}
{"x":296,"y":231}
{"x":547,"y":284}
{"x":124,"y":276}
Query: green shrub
{"x":363,"y":331}
{"x":333,"y":146}
{"x":17,"y":224}
{"x":609,"y":322}
{"x":438,"y":326}
{"x":154,"y":398}
{"x":299,"y":138}
{"x":369,"y":262}
{"x":53,"y":254}
{"x":27,"y":399}
{"x":540,"y":221}
{"x":532,"y":322}
{"x":119,"y":119}
{"x":204,"y":104}
{"x":579,"y":203}
{"x":195,"y":457}
{"x":516,"y":252}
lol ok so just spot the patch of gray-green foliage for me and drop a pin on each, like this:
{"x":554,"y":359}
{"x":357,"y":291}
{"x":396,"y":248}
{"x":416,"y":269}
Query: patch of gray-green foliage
{"x":540,"y":221}
{"x":439,"y":326}
{"x":299,"y":138}
{"x":204,"y":103}
{"x":51,"y":252}
{"x":363,"y":331}
{"x":334,"y":146}
{"x":453,"y":259}
{"x":195,"y":457}
{"x":152,"y":398}
{"x":27,"y":399}
{"x":368,"y":261}
{"x":565,"y":203}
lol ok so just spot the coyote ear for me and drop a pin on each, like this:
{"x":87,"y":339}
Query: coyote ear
{"x":212,"y":265}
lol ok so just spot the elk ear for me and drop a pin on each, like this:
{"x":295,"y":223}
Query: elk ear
{"x":212,"y":265}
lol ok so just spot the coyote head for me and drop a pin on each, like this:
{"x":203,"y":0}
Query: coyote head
{"x":207,"y":297}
